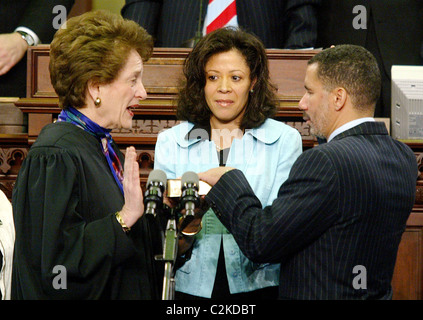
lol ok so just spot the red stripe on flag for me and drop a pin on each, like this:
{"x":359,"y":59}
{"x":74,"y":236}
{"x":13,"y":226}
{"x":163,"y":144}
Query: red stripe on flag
{"x":223,"y":18}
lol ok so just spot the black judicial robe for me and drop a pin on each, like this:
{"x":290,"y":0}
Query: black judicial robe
{"x":69,"y":244}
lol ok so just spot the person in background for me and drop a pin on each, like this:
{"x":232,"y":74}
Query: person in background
{"x":338,"y":219}
{"x":23,"y":23}
{"x":227,"y":101}
{"x":391,"y":30}
{"x":289,"y":24}
{"x":7,"y":240}
{"x":77,"y":202}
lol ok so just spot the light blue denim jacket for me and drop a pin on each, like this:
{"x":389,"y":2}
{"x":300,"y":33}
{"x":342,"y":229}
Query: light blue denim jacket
{"x":265,"y":155}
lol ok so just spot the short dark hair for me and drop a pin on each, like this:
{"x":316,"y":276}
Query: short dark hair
{"x":352,"y":67}
{"x":93,"y":47}
{"x":261,"y":104}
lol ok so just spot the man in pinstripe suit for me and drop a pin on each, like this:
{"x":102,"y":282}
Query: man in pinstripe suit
{"x":287,"y":24}
{"x":338,"y":219}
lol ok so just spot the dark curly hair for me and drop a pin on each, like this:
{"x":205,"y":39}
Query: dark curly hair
{"x":261,"y":104}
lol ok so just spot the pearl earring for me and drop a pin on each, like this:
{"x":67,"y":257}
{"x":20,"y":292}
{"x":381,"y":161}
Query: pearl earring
{"x":97,"y":101}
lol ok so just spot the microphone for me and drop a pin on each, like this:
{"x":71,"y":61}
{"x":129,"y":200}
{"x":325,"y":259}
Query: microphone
{"x":189,"y":197}
{"x":153,"y":198}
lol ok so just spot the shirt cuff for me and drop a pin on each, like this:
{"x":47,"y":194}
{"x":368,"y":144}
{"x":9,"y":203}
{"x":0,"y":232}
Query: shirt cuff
{"x":31,"y":33}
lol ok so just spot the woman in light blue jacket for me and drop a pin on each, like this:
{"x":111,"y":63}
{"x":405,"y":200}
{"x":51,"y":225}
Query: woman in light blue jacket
{"x":227,"y":102}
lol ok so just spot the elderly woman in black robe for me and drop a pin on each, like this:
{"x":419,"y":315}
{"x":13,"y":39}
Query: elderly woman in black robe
{"x":78,"y":204}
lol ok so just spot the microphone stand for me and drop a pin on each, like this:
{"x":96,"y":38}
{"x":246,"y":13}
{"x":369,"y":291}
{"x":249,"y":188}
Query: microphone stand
{"x":170,"y":249}
{"x":189,"y":201}
{"x":170,"y":252}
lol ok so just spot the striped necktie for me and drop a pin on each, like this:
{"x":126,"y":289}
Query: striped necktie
{"x":220,"y":13}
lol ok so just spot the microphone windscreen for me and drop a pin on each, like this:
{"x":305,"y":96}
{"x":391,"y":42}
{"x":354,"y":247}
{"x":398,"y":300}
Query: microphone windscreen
{"x":190,"y":177}
{"x":157,"y":175}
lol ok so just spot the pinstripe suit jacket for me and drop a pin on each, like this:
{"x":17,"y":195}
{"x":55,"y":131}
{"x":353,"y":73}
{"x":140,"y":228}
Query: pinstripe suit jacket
{"x":345,"y":204}
{"x":278,"y":23}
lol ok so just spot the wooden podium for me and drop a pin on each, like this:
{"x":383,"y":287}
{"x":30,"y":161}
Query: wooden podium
{"x":162,"y":74}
